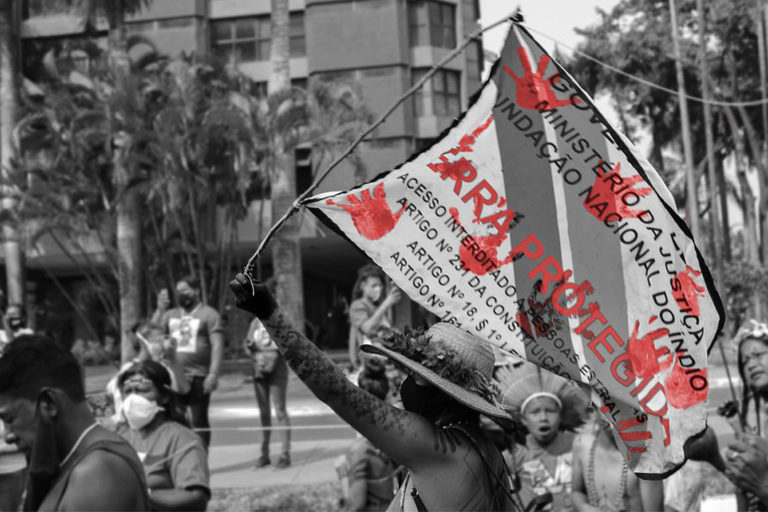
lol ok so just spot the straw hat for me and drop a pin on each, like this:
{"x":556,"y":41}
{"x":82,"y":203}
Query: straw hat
{"x":451,"y":359}
{"x":520,"y":385}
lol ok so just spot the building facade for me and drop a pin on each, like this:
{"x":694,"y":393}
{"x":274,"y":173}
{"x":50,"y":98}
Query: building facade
{"x":384,"y":45}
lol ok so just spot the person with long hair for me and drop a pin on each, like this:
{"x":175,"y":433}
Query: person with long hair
{"x":371,"y":308}
{"x":270,"y":384}
{"x":174,"y":458}
{"x":747,"y":457}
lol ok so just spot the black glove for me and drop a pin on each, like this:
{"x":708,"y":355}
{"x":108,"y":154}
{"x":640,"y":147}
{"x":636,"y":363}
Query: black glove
{"x":254,"y":298}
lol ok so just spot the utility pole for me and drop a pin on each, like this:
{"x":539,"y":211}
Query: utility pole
{"x":692,"y":209}
{"x":760,"y":29}
{"x":714,"y":205}
{"x":11,"y":235}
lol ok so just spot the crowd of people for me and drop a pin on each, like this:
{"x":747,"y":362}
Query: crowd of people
{"x":443,"y":422}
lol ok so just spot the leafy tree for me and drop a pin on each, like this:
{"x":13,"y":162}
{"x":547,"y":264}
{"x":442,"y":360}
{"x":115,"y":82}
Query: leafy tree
{"x":635,"y":38}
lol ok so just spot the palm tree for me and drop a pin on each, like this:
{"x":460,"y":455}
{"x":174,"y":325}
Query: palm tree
{"x":14,"y":266}
{"x":286,"y":245}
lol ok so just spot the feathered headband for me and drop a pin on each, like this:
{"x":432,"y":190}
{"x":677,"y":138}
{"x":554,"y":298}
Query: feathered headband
{"x":521,"y":385}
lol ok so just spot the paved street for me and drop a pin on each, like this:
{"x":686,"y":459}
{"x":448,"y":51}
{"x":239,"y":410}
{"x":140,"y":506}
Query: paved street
{"x":318,"y":435}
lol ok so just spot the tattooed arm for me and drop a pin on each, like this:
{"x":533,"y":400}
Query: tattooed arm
{"x":405,"y":437}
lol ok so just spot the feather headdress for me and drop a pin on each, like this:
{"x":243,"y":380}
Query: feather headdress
{"x":519,"y":385}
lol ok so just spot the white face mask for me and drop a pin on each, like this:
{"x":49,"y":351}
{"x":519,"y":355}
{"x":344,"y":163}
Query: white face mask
{"x":139,"y":411}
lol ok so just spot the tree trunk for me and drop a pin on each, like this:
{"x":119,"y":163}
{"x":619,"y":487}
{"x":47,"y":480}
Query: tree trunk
{"x":14,"y":256}
{"x":130,"y":268}
{"x":723,"y":198}
{"x":747,"y":204}
{"x":286,"y":245}
{"x":128,"y":207}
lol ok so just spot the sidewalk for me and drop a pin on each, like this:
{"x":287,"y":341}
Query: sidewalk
{"x":311,"y":462}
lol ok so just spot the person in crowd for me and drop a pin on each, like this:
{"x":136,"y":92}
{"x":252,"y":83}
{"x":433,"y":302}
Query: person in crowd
{"x":149,"y":343}
{"x":746,"y":459}
{"x":451,"y":464}
{"x":174,"y":458}
{"x":550,"y":408}
{"x":372,"y":475}
{"x":12,"y":466}
{"x":270,"y":382}
{"x":370,"y":309}
{"x":43,"y":407}
{"x":199,"y":337}
{"x":601,"y":479}
{"x":14,"y":323}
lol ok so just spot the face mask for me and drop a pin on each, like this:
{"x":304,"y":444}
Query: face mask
{"x":425,"y":400}
{"x":186,"y":300}
{"x":139,"y":411}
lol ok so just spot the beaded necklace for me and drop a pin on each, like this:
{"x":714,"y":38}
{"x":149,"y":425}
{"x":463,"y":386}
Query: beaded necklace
{"x":592,"y":493}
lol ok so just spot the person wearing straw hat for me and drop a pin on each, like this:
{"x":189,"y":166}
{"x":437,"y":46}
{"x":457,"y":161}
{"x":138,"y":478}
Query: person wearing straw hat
{"x":436,"y":437}
{"x":550,"y":408}
{"x":747,"y":457}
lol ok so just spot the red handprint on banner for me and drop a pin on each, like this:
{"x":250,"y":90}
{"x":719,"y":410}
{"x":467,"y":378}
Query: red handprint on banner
{"x":686,"y":386}
{"x":487,"y":245}
{"x":611,"y":192}
{"x":371,"y":215}
{"x":686,"y":291}
{"x":644,"y":355}
{"x":533,"y":90}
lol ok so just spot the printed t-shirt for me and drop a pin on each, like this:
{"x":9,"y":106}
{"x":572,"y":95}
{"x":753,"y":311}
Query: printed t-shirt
{"x":192,"y":332}
{"x":173,"y":456}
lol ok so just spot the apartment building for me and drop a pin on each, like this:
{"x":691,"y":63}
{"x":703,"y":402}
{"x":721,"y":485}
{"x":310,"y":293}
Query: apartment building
{"x":385,"y":45}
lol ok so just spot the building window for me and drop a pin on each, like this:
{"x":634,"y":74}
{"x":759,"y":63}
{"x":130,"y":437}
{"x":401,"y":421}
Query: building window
{"x":32,"y":8}
{"x":440,"y":96}
{"x":244,"y":39}
{"x":249,"y":39}
{"x":298,"y":41}
{"x":475,"y":60}
{"x":432,"y":23}
{"x":176,"y":23}
{"x":299,"y":83}
{"x":140,"y":27}
{"x":303,"y":164}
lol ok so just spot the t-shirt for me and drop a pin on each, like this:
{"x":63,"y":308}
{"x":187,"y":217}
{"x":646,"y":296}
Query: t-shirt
{"x":545,"y":469}
{"x":192,"y":332}
{"x":173,"y":456}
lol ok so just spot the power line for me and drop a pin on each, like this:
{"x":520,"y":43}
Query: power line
{"x":643,"y":81}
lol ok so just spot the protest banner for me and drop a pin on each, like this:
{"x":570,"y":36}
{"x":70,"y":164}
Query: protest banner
{"x":535,"y":224}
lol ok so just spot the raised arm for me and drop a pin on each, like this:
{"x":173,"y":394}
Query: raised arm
{"x":405,"y":437}
{"x":368,"y":327}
